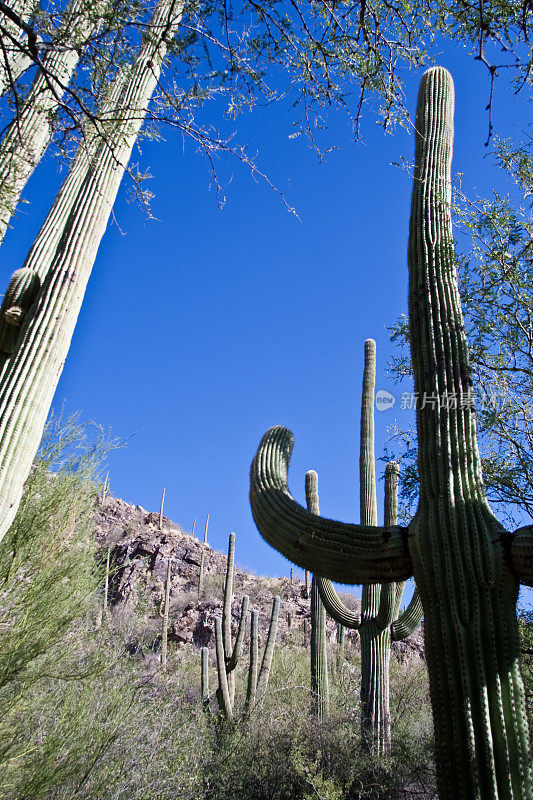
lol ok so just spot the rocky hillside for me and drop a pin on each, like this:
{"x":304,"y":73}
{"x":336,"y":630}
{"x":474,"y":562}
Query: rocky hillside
{"x":139,"y":558}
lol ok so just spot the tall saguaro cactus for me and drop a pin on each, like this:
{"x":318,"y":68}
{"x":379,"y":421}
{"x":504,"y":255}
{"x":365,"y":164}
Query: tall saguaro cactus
{"x":319,"y":655}
{"x":466,"y":567}
{"x":378,"y":624}
{"x":60,"y":261}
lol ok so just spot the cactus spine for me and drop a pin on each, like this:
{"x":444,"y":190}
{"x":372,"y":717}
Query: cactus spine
{"x":62,"y":257}
{"x":319,"y":656}
{"x":466,"y":567}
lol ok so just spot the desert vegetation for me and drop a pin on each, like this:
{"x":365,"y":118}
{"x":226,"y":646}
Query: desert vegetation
{"x":109,"y":639}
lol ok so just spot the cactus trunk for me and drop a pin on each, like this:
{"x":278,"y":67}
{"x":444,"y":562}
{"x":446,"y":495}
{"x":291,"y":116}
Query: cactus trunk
{"x":319,"y":657}
{"x":15,"y":59}
{"x":62,"y":258}
{"x":375,"y":641}
{"x":28,"y":136}
{"x":468,"y":591}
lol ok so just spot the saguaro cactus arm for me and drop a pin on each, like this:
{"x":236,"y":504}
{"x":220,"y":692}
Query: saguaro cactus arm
{"x":251,"y":688}
{"x":521,"y":554}
{"x":408,"y":622}
{"x":340,"y":551}
{"x":239,"y":641}
{"x":335,"y":607}
{"x":223,"y":693}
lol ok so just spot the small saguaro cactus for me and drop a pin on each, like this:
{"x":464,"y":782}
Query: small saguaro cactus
{"x":466,"y":567}
{"x":204,"y":685}
{"x":227,"y":654}
{"x":319,"y":655}
{"x":160,"y":525}
{"x":201,"y":575}
{"x":228,"y":657}
{"x":268,"y":653}
{"x":164,"y":611}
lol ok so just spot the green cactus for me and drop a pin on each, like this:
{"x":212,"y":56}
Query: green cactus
{"x":204,"y":685}
{"x":266,"y":663}
{"x":201,"y":575}
{"x":251,"y":690}
{"x":466,"y":567}
{"x":341,"y":635}
{"x":228,"y":657}
{"x":164,"y":612}
{"x":227,"y":654}
{"x":380,"y":604}
{"x":62,"y":258}
{"x":319,"y":656}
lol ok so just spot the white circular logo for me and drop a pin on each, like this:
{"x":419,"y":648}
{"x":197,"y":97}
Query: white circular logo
{"x":384,"y":400}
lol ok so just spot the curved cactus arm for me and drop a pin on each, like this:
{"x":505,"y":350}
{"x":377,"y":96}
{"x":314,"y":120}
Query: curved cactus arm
{"x":335,"y":607}
{"x":521,"y":554}
{"x":239,"y":641}
{"x":336,"y":550}
{"x":223,"y":693}
{"x":251,"y":689}
{"x":266,"y":663}
{"x":387,"y":605}
{"x":409,"y":621}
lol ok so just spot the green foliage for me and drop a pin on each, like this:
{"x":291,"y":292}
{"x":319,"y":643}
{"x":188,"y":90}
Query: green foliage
{"x":48,"y":579}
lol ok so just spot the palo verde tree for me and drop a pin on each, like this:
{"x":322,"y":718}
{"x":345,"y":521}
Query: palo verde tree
{"x":467,"y":568}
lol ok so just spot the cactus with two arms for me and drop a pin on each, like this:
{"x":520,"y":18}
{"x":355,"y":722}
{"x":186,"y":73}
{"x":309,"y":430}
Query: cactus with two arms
{"x":467,"y":568}
{"x":380,"y":622}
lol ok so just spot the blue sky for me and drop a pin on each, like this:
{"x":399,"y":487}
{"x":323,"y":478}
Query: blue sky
{"x":201,"y":330}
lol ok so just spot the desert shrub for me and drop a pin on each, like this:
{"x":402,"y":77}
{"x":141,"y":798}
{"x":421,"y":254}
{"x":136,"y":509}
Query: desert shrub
{"x":48,"y":579}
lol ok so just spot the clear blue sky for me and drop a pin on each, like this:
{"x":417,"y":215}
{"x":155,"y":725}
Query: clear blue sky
{"x":203,"y":329}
